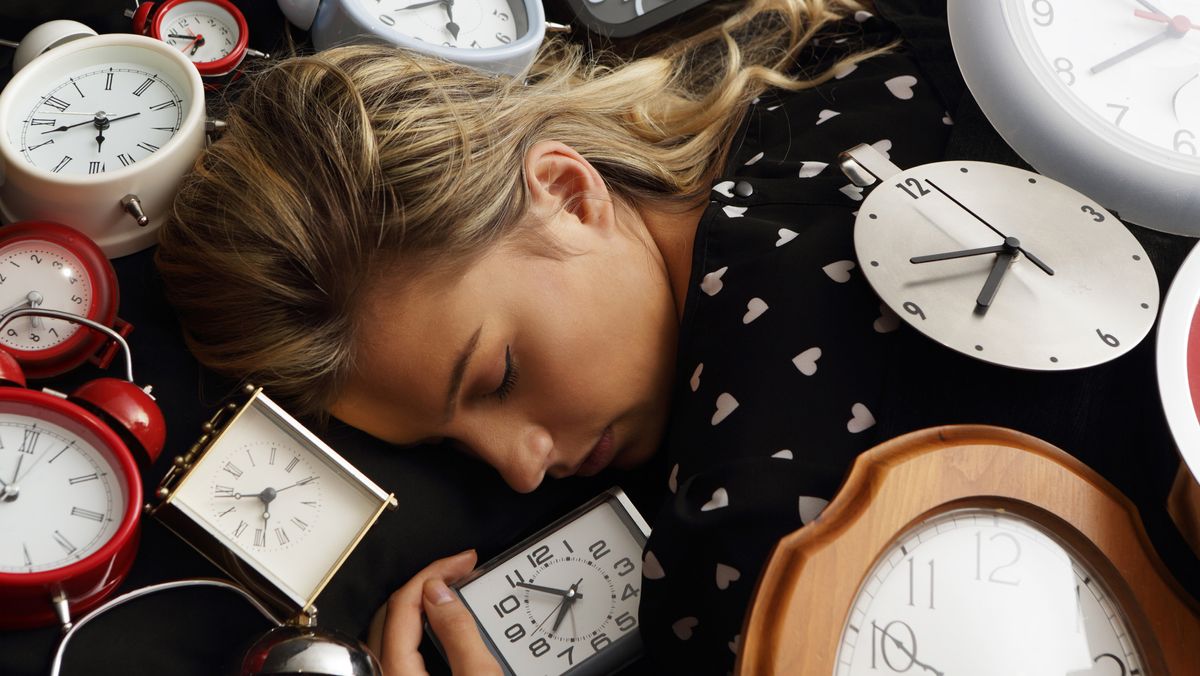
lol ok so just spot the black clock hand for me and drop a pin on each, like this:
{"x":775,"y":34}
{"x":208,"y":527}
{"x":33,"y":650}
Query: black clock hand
{"x":302,"y":482}
{"x":568,"y":601}
{"x":929,"y":258}
{"x":992,"y":285}
{"x":99,"y":119}
{"x":1111,"y":61}
{"x":419,"y":5}
{"x":554,"y":610}
{"x":912,"y":655}
{"x":197,"y":45}
{"x":548,"y":590}
{"x":450,"y":25}
{"x":1152,"y":8}
{"x":1033,"y":259}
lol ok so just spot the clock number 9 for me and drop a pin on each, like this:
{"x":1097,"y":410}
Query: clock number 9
{"x":1109,"y":339}
{"x":913,"y":309}
{"x":1096,"y":215}
{"x":1185,"y":142}
{"x":1044,"y":11}
{"x":515,"y":633}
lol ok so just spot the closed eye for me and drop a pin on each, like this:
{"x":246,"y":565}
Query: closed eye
{"x":510,"y":376}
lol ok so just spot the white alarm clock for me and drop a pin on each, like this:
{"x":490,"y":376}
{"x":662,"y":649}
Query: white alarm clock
{"x":494,"y":35}
{"x":97,"y":133}
{"x":1103,"y":96}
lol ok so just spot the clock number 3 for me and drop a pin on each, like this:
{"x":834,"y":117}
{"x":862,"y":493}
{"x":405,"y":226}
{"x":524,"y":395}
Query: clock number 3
{"x":1096,"y":215}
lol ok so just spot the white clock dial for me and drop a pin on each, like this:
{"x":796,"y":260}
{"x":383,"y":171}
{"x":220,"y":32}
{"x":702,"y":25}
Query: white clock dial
{"x":988,"y":593}
{"x":41,"y":275}
{"x":289,"y":511}
{"x":62,"y":499}
{"x":565,"y":598}
{"x":470,"y":25}
{"x":99,"y":119}
{"x":1137,"y":72}
{"x":1079,"y":291}
{"x":202,"y":31}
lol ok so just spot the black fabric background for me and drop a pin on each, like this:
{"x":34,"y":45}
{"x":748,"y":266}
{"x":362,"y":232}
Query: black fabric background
{"x":449,"y":503}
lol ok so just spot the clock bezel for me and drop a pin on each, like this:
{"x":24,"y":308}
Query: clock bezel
{"x":264,"y":584}
{"x":1143,"y":184}
{"x":1180,"y":312}
{"x":912,"y":476}
{"x":620,"y":651}
{"x":638,"y":24}
{"x":217,"y":67}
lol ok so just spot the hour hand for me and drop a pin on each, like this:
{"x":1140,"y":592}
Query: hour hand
{"x":988,"y":293}
{"x":548,"y":590}
{"x":965,"y":253}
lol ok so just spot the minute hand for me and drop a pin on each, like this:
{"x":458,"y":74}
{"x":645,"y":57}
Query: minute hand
{"x":1033,"y":259}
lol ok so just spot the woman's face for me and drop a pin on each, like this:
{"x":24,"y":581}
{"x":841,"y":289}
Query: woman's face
{"x":536,"y":364}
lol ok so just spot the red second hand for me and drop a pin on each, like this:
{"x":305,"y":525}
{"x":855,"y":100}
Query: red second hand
{"x":1181,"y":23}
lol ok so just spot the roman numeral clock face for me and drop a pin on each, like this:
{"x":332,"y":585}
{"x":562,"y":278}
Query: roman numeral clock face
{"x":61,"y":498}
{"x":265,"y":497}
{"x":99,"y":119}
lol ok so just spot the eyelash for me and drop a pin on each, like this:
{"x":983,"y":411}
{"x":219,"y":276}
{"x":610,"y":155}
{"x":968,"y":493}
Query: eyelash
{"x":510,"y":376}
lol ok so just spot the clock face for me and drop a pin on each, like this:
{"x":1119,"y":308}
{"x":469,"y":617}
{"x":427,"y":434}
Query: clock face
{"x":1078,"y":291}
{"x":96,"y":119}
{"x":63,"y":497}
{"x":202,"y":31}
{"x":1178,"y":360}
{"x":565,"y":598}
{"x":475,"y":24}
{"x":622,"y":11}
{"x":988,"y":593}
{"x":277,"y":501}
{"x":41,"y":274}
{"x":1137,"y":74}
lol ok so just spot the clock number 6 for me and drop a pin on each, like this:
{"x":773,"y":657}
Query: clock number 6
{"x":1185,"y":142}
{"x":1109,"y":339}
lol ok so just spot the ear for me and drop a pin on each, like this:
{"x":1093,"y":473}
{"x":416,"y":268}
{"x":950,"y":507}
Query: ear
{"x":560,"y":179}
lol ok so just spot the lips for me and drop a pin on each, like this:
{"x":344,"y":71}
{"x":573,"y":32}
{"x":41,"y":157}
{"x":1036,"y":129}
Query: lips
{"x":602,"y":454}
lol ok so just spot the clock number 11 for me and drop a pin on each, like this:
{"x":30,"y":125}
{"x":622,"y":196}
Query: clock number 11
{"x":912,"y":584}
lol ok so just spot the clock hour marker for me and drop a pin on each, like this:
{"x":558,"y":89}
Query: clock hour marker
{"x":260,"y":538}
{"x":51,"y":460}
{"x":29,"y":442}
{"x":56,"y":103}
{"x":281,"y":536}
{"x":292,"y":464}
{"x":87,"y":514}
{"x":271,"y":459}
{"x":108,"y":81}
{"x":226,"y":512}
{"x":42,"y":122}
{"x":233,"y":469}
{"x":94,"y":167}
{"x":251,"y":458}
{"x":147,"y":147}
{"x":310,"y":503}
{"x":170,"y":103}
{"x":241,"y":528}
{"x":222,"y":491}
{"x":28,"y":559}
{"x":64,"y":542}
{"x":29,"y":148}
{"x":61,"y":164}
{"x":143,"y":87}
{"x":76,"y":85}
{"x":126,"y":159}
{"x":83,"y":478}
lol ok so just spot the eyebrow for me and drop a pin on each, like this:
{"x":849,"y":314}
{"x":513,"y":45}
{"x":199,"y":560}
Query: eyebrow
{"x":458,"y":372}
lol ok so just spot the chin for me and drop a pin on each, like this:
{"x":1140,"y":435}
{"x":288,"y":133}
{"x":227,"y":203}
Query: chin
{"x":636,"y":453}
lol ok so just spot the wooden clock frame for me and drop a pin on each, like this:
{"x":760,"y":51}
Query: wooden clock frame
{"x":809,"y":584}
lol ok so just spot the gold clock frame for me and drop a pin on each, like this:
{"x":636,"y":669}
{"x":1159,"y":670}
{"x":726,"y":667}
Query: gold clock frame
{"x":286,"y":606}
{"x":808,"y":587}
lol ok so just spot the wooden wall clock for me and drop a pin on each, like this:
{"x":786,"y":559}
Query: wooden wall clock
{"x":971,"y":550}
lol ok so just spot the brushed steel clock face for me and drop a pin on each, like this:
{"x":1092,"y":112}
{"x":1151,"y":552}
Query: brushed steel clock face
{"x":984,"y":592}
{"x":62,"y":498}
{"x":1077,"y":289}
{"x":474,"y":24}
{"x":98,"y":119}
{"x":565,"y":599}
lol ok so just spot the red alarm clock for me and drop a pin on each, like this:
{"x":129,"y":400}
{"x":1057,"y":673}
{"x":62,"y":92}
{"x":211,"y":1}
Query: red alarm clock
{"x":1178,"y":359}
{"x":70,"y":492}
{"x":51,"y":266}
{"x":212,"y":34}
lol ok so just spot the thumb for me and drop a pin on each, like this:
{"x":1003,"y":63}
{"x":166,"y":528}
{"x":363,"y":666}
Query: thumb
{"x":456,"y":629}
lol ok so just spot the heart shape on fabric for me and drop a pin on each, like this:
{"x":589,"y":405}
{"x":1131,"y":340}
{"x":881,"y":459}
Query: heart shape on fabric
{"x":651,"y":568}
{"x":810,"y":169}
{"x":901,"y":86}
{"x":806,"y":361}
{"x":683,"y":628}
{"x":861,"y":16}
{"x":754,"y":159}
{"x":887,"y":321}
{"x":720,"y":499}
{"x":712,"y":284}
{"x":811,"y":507}
{"x":673,"y":480}
{"x":754,"y":309}
{"x":785,"y":454}
{"x":785,"y":236}
{"x":735,"y":645}
{"x":727,"y":575}
{"x":826,"y":115}
{"x":695,"y":381}
{"x":844,"y":71}
{"x":839,"y":271}
{"x":734,"y":212}
{"x":884,"y":147}
{"x":852,"y":191}
{"x":725,"y":188}
{"x":725,"y":405}
{"x":861,"y":419}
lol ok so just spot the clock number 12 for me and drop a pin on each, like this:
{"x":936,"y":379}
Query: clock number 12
{"x":921,"y":190}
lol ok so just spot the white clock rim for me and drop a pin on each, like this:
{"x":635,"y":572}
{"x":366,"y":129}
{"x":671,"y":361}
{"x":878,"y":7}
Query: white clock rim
{"x":995,"y":71}
{"x":510,"y":59}
{"x":187,"y":76}
{"x":1171,"y":354}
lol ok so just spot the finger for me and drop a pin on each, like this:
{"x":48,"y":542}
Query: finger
{"x":456,"y":630}
{"x":401,"y":630}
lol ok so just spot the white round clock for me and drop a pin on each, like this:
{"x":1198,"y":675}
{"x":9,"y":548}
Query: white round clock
{"x":1001,"y":264}
{"x":495,"y":35}
{"x":97,"y":133}
{"x":1103,"y":96}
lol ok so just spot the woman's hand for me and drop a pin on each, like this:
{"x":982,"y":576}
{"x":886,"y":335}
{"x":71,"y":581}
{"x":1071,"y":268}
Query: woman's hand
{"x":396,"y":629}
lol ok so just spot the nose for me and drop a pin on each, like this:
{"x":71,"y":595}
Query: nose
{"x":521,"y":453}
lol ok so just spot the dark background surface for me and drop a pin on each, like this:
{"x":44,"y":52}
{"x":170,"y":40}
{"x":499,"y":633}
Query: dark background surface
{"x":449,"y":503}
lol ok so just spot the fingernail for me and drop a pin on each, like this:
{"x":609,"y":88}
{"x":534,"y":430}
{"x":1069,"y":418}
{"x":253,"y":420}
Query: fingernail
{"x":437,"y":593}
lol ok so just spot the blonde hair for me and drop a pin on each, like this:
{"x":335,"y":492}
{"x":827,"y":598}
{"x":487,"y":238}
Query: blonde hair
{"x":337,"y":167}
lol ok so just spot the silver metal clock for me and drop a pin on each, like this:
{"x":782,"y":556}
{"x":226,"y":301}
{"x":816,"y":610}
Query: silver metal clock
{"x":1001,"y":264}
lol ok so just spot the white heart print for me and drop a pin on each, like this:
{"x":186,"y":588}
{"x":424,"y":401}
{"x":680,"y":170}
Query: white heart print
{"x":839,"y":271}
{"x":902,"y":86}
{"x":785,"y":454}
{"x":734,"y":212}
{"x":887,"y":321}
{"x":735,"y":645}
{"x":712,"y":284}
{"x":673,"y":480}
{"x":785,"y":236}
{"x":683,"y":628}
{"x":720,"y":499}
{"x":860,"y":420}
{"x":725,"y":188}
{"x":651,"y":568}
{"x":726,"y":575}
{"x":810,"y":169}
{"x":754,"y":159}
{"x":806,"y":361}
{"x":884,"y":147}
{"x":826,"y":115}
{"x":754,"y":309}
{"x":695,"y":381}
{"x":845,"y":70}
{"x":725,"y":405}
{"x":852,"y":191}
{"x":811,"y":507}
